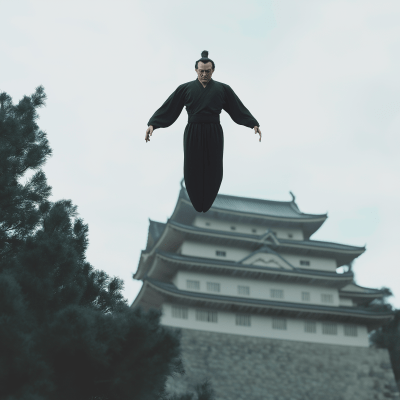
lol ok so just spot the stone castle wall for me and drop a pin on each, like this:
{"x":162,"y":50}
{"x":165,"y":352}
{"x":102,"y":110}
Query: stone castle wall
{"x":251,"y":368}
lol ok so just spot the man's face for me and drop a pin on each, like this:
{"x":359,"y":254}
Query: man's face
{"x":204,"y":72}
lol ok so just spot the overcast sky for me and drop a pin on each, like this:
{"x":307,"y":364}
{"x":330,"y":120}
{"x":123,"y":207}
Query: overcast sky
{"x":321,"y":77}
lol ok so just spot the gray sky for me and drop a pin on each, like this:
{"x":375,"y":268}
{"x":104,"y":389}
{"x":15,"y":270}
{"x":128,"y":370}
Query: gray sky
{"x":321,"y":77}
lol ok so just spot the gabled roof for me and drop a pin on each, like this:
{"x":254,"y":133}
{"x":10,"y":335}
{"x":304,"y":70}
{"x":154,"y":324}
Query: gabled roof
{"x":158,"y":292}
{"x":285,"y":213}
{"x":354,"y":288}
{"x":281,"y":209}
{"x":157,"y":228}
{"x":165,"y":265}
{"x":317,"y":244}
{"x":175,"y":232}
{"x":360,"y":294}
{"x":265,"y":249}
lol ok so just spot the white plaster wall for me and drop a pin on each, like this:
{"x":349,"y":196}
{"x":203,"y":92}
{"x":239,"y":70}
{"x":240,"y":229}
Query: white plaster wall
{"x":316,"y":263}
{"x":258,"y":289}
{"x":195,"y":249}
{"x":346,"y":302}
{"x":261,"y":326}
{"x":201,"y":222}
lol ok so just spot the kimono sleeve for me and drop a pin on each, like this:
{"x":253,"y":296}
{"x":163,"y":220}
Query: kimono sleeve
{"x":169,"y":112}
{"x":236,"y":109}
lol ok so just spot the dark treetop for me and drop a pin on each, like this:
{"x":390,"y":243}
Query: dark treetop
{"x":211,"y":100}
{"x":66,"y":331}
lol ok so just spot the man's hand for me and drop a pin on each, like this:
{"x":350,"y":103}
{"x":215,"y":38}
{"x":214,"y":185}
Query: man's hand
{"x":257,"y":130}
{"x":149,"y":132}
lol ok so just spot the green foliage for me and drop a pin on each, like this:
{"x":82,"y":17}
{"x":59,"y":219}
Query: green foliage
{"x":388,"y":336}
{"x":23,"y":147}
{"x":66,"y":332}
{"x":380,"y":304}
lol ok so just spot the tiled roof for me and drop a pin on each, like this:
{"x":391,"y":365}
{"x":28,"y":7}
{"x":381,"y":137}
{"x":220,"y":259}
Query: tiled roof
{"x":320,"y":244}
{"x":210,"y":261}
{"x":361,"y":290}
{"x":169,"y":287}
{"x":156,"y":229}
{"x":282,"y":209}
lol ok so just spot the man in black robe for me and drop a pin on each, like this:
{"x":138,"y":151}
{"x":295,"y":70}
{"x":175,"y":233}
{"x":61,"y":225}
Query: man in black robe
{"x":203,"y":141}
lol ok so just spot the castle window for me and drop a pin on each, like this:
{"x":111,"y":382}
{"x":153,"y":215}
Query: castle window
{"x":220,"y":253}
{"x":244,"y":290}
{"x":305,"y":296}
{"x":327,"y":298}
{"x":206,"y":316}
{"x":243,"y":320}
{"x":194,"y":285}
{"x":180,"y":312}
{"x":233,"y":228}
{"x":329,"y":328}
{"x":310,"y":327}
{"x":208,"y":224}
{"x":277,"y":293}
{"x":254,"y":230}
{"x":305,"y":263}
{"x":350,"y":330}
{"x":213,"y":287}
{"x":279,"y":323}
{"x":290,"y":235}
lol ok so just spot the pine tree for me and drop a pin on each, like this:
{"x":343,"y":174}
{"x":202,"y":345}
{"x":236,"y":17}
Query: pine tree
{"x":66,"y":332}
{"x":388,"y":335}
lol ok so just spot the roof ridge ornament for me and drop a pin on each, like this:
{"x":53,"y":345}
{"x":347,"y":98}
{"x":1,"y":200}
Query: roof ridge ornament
{"x":182,"y":183}
{"x":293,"y":196}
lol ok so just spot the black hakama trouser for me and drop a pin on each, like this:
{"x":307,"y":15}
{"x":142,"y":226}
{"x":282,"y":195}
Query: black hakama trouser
{"x":203,"y":145}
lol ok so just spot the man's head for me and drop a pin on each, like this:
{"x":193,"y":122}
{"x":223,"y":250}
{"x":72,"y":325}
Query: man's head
{"x":204,"y":72}
{"x":204,"y":68}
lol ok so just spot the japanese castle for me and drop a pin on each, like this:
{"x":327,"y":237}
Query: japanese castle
{"x":248,"y":267}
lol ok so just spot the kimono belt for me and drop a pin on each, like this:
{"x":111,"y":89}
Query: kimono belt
{"x":203,"y":119}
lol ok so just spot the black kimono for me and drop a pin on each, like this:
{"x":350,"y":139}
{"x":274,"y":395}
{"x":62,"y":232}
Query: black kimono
{"x":203,"y":142}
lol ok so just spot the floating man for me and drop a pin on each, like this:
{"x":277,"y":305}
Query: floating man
{"x":203,"y":141}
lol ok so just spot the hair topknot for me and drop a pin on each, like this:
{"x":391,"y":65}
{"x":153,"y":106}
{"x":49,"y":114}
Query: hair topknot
{"x":204,"y":59}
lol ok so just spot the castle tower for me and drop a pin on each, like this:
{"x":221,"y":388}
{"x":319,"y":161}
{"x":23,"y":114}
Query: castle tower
{"x":263,"y":311}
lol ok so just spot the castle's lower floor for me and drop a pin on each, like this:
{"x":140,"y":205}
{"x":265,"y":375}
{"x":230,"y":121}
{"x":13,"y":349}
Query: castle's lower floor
{"x":264,"y":326}
{"x":251,"y":368}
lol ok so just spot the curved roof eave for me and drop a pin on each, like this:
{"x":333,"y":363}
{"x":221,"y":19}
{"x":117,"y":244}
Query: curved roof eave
{"x":170,"y":289}
{"x":367,"y":290}
{"x":361,"y":295}
{"x":301,"y":219}
{"x":308,"y":245}
{"x":144,"y":254}
{"x":140,"y":294}
{"x":218,"y":263}
{"x":321,"y":244}
{"x":249,"y":271}
{"x":255,"y":208}
{"x":260,"y":239}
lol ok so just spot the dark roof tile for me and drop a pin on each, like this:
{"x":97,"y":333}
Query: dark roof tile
{"x":200,"y":295}
{"x":283,"y":209}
